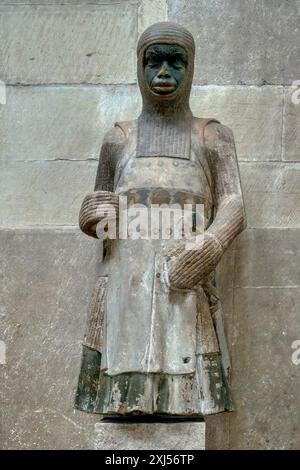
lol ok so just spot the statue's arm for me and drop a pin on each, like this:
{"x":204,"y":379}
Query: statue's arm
{"x":190,"y":267}
{"x":230,"y":218}
{"x":112,"y":142}
{"x":90,"y":212}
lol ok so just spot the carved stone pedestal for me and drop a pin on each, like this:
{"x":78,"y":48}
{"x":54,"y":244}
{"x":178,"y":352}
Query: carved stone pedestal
{"x":177,"y":435}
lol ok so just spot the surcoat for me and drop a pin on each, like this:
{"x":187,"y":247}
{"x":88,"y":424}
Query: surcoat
{"x":150,"y":348}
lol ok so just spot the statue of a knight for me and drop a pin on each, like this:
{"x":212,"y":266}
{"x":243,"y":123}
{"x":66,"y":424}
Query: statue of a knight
{"x":154,"y":343}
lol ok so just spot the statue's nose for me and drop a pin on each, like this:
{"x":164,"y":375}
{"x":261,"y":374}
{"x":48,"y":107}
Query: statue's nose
{"x":164,"y":71}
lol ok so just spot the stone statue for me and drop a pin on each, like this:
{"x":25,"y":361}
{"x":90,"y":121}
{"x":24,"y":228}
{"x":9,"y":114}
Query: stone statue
{"x":154,"y":343}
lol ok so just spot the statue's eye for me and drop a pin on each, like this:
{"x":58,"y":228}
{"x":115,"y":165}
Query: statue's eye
{"x":178,"y":64}
{"x":152,"y":62}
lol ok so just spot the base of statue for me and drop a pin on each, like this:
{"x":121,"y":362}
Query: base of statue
{"x":171,"y":434}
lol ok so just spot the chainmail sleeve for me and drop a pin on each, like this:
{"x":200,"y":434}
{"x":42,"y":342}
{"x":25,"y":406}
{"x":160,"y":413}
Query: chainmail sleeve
{"x":189,"y":267}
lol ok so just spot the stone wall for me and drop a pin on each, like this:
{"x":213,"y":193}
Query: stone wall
{"x":70,"y":72}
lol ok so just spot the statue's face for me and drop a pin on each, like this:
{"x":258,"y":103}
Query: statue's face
{"x":165,"y":67}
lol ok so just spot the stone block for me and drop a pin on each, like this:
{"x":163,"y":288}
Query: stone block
{"x":183,"y":435}
{"x":63,"y":2}
{"x":268,"y":258}
{"x":41,"y":428}
{"x":291,"y":124}
{"x":272,"y":194}
{"x":43,"y":129}
{"x":150,"y":12}
{"x":48,"y":277}
{"x":45,"y":123}
{"x":241,"y":42}
{"x":44,"y":193}
{"x":265,"y":381}
{"x":253,"y":113}
{"x":273,"y":210}
{"x":61,"y":122}
{"x":217,"y":432}
{"x":92,"y":43}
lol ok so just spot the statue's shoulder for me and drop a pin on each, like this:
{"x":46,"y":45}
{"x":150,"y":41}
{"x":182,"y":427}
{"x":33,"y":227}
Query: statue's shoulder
{"x":118,"y":134}
{"x":127,"y":127}
{"x":210,"y":129}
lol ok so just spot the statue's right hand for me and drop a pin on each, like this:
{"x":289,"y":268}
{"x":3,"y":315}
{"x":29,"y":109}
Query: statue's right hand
{"x":96,"y":207}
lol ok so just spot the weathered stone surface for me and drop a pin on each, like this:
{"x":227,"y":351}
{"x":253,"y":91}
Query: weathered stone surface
{"x":54,"y":122}
{"x":273,"y":210}
{"x":265,"y":381}
{"x":2,"y":353}
{"x":150,"y":12}
{"x":47,"y":279}
{"x":44,"y":193}
{"x":242,"y":42}
{"x":150,"y":436}
{"x":272,"y":194}
{"x":291,"y":124}
{"x":63,"y":2}
{"x":217,"y":432}
{"x":68,"y":44}
{"x":268,"y":257}
{"x":26,"y":428}
{"x":263,"y":257}
{"x":253,"y":113}
{"x":271,"y":177}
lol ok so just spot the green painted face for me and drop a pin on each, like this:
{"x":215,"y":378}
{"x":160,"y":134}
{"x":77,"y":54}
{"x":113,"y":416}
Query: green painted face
{"x":165,"y":67}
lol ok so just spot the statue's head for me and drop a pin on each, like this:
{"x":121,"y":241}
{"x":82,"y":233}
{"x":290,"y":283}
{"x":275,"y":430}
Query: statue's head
{"x":165,"y":67}
{"x":165,"y":63}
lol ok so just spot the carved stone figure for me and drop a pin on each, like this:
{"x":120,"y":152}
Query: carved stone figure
{"x":155,"y":343}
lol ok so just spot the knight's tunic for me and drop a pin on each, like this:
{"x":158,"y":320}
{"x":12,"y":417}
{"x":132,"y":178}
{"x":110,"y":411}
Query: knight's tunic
{"x":156,"y":349}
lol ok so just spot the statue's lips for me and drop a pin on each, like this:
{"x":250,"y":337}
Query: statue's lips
{"x":163,"y":88}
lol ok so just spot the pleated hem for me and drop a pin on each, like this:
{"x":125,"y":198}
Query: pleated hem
{"x":135,"y":394}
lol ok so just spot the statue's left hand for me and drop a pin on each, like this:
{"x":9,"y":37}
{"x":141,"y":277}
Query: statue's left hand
{"x":189,"y":267}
